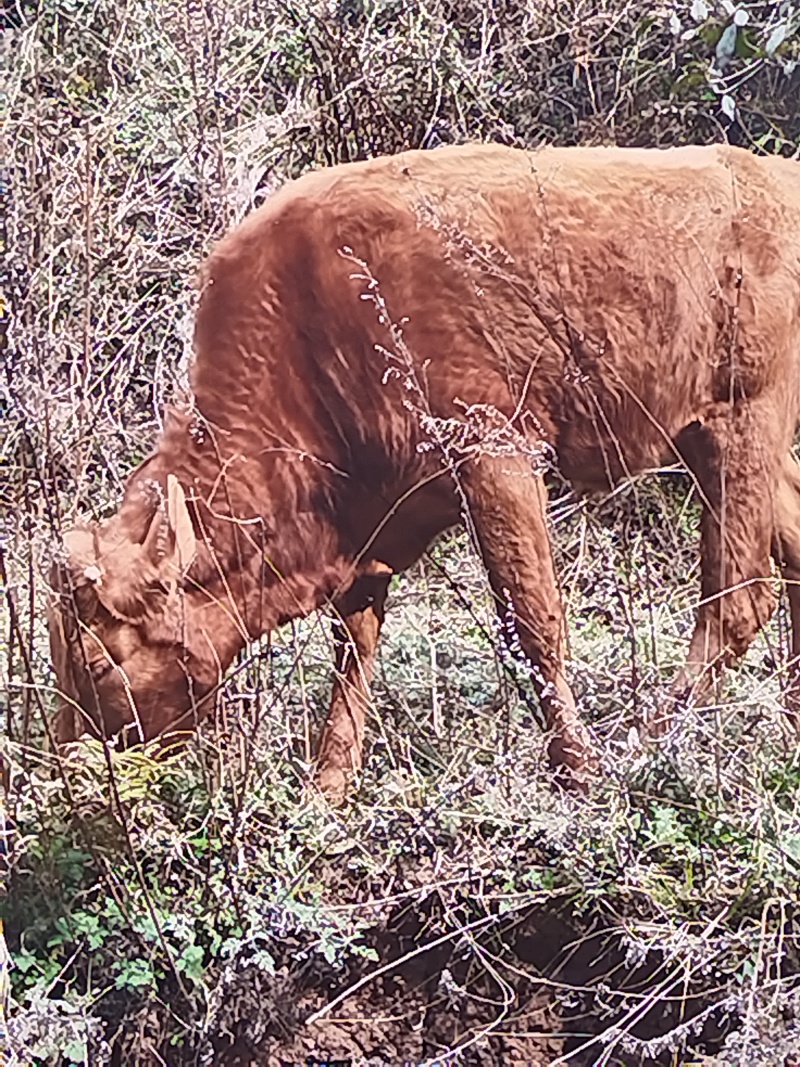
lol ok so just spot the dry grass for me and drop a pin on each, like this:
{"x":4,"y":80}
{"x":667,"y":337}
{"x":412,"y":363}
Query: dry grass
{"x":162,"y":912}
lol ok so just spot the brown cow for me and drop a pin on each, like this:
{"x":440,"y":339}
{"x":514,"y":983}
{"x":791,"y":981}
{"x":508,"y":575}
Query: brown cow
{"x":385,"y":347}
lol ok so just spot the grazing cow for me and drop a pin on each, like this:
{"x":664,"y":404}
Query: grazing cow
{"x":386,"y":347}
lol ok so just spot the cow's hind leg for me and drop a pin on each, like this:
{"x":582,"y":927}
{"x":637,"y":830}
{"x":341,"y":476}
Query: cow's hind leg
{"x":736,"y":462}
{"x":507,"y":503}
{"x":356,"y":633}
{"x":786,"y":550}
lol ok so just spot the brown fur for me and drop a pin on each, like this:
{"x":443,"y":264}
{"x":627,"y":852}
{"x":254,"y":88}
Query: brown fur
{"x":386,"y":344}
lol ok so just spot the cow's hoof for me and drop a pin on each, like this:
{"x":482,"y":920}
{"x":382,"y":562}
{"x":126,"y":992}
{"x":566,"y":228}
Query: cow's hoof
{"x":333,"y":783}
{"x":573,"y":760}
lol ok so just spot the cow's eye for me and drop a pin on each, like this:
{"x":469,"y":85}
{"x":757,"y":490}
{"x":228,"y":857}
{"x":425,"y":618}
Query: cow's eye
{"x":99,"y":668}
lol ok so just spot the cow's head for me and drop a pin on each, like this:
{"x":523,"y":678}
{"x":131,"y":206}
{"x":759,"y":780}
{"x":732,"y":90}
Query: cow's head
{"x":123,"y":631}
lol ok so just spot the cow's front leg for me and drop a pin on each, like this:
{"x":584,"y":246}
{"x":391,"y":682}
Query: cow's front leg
{"x":356,"y":633}
{"x":507,"y":502}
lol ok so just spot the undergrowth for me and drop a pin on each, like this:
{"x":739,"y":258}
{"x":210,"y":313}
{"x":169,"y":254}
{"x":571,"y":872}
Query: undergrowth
{"x":210,"y":900}
{"x":207,"y":905}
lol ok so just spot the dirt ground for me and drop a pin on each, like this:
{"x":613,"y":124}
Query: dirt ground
{"x":540,"y":993}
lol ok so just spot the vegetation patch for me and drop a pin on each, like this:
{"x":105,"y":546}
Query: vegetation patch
{"x":207,"y":907}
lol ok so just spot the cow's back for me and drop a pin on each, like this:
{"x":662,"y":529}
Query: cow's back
{"x":641,"y":284}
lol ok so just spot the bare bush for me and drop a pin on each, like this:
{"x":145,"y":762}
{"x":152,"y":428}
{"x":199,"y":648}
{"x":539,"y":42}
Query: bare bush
{"x":185,"y":910}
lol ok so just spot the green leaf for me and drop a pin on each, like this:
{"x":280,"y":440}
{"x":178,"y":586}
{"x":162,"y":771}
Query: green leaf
{"x":24,"y":961}
{"x":190,"y":963}
{"x":790,"y":846}
{"x":134,"y":974}
{"x":264,"y":960}
{"x":776,"y":38}
{"x":726,"y":45}
{"x":746,"y":971}
{"x":746,"y":46}
{"x":728,"y":106}
{"x":76,"y":1051}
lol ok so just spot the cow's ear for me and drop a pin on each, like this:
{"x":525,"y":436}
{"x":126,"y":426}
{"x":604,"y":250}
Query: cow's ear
{"x":128,"y":586}
{"x":180,"y":527}
{"x":169,"y":546}
{"x":132,"y":576}
{"x":100,"y":566}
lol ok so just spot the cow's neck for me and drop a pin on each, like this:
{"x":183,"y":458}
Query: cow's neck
{"x":268,"y":546}
{"x":273,"y":579}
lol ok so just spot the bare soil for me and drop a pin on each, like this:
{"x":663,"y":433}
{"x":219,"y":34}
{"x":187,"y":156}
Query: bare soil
{"x":533,"y":992}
